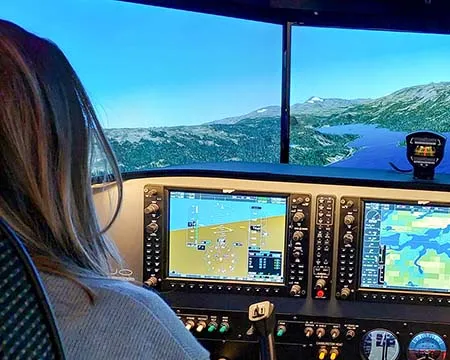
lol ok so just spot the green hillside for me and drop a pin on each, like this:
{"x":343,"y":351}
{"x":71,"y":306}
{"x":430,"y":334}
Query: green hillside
{"x":252,"y":140}
{"x":255,"y":137}
{"x":410,"y":109}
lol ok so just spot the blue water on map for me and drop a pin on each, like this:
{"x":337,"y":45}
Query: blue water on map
{"x":414,"y":242}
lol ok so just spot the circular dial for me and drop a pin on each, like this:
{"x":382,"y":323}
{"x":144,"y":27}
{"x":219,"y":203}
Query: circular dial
{"x":427,"y":346}
{"x":380,"y":344}
{"x":373,"y":215}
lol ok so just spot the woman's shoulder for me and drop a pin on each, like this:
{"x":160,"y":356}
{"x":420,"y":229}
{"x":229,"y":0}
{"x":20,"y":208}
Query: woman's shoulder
{"x":132,"y":311}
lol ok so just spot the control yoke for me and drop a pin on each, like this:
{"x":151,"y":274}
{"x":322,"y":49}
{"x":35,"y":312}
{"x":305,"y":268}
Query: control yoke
{"x":262,"y":317}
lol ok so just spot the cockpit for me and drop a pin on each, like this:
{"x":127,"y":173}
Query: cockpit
{"x":286,"y":174}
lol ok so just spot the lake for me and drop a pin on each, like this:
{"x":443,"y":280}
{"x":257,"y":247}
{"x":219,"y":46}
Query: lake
{"x":376,"y":147}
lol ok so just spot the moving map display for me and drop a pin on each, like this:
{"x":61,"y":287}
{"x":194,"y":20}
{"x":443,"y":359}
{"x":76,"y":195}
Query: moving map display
{"x":406,"y":247}
{"x":215,"y":236}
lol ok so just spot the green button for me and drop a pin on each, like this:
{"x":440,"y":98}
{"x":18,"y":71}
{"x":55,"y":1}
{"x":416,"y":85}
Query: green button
{"x":211,"y":328}
{"x":223,"y":329}
{"x":280,"y":332}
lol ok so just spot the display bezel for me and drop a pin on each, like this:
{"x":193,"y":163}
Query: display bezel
{"x":389,"y":293}
{"x":224,"y":282}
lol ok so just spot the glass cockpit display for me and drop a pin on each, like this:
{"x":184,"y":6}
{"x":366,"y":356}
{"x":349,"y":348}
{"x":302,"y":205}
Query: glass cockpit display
{"x":406,"y":247}
{"x":220,"y":237}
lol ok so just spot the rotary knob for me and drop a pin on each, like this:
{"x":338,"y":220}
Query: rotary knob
{"x":150,"y":192}
{"x":152,"y":228}
{"x":350,"y":334}
{"x":298,"y":216}
{"x":295,"y":290}
{"x":152,"y":281}
{"x":334,"y":333}
{"x":309,"y":331}
{"x":151,"y":209}
{"x":349,"y":219}
{"x":200,"y":326}
{"x":189,"y":324}
{"x":320,"y":332}
{"x":298,"y":235}
{"x":348,"y":238}
{"x":345,"y":293}
{"x":320,"y":284}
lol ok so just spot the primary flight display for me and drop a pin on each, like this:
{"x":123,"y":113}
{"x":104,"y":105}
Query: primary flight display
{"x":219,"y":237}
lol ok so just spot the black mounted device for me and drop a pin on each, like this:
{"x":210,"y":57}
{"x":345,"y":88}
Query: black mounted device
{"x":425,"y":150}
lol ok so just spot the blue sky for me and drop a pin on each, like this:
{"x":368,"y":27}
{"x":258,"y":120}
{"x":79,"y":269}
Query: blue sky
{"x":147,"y":66}
{"x":364,"y":64}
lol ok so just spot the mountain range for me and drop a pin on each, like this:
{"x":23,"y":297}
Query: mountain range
{"x":314,"y":105}
{"x":255,"y":136}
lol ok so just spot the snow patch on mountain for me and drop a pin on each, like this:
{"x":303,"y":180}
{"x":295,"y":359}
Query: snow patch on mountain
{"x":314,"y":99}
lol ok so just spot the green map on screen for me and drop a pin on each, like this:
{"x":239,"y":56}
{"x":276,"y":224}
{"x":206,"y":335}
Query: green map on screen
{"x":406,"y":247}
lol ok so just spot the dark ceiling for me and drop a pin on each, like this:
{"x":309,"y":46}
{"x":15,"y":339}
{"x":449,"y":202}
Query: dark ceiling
{"x":403,"y":15}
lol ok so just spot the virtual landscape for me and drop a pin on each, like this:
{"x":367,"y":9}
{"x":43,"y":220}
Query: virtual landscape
{"x":318,"y":132}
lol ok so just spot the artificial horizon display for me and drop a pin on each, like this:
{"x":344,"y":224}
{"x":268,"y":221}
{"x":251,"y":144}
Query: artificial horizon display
{"x":227,"y":237}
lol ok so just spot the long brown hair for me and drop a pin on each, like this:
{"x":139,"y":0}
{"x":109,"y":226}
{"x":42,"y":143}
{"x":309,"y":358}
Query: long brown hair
{"x":48,"y":133}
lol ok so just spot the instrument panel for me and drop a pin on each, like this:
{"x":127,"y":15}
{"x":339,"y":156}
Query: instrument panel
{"x":221,"y":240}
{"x":354,"y":272}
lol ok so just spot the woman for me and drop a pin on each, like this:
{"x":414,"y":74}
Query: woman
{"x":48,"y":132}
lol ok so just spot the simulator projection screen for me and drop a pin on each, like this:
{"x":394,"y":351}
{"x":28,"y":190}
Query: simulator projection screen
{"x":215,"y":236}
{"x":356,"y":94}
{"x":406,"y":247}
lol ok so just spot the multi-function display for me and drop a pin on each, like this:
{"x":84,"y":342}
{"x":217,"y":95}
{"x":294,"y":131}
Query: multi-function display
{"x":405,"y":247}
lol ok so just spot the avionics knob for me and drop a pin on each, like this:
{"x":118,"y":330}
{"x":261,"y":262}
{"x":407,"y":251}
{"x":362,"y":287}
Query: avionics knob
{"x":298,"y":216}
{"x":151,"y":209}
{"x":152,"y":228}
{"x":309,"y":331}
{"x":189,"y":324}
{"x":334,"y":333}
{"x":298,"y":235}
{"x":322,"y":353}
{"x":212,"y":326}
{"x":334,"y":353}
{"x":224,"y":327}
{"x":281,"y":330}
{"x":348,"y":238}
{"x":151,"y":281}
{"x":299,"y":200}
{"x":151,"y":192}
{"x":345,"y":293}
{"x":350,"y":334}
{"x":320,"y":284}
{"x":320,"y":332}
{"x":349,"y":219}
{"x":200,"y":326}
{"x":295,"y":290}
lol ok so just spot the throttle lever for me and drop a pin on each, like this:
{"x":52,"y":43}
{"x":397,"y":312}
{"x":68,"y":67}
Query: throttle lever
{"x":262,"y":316}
